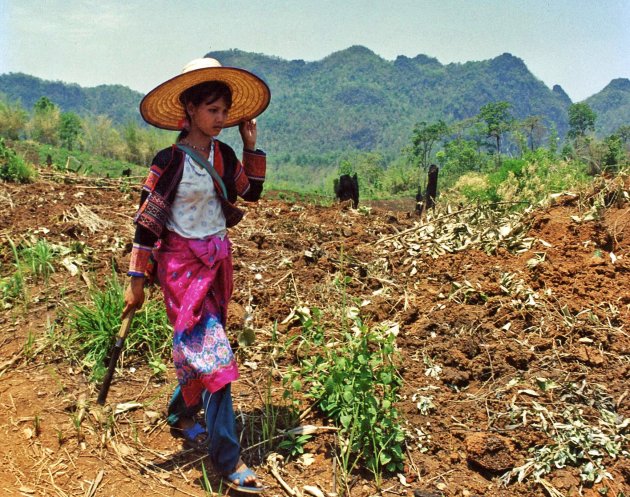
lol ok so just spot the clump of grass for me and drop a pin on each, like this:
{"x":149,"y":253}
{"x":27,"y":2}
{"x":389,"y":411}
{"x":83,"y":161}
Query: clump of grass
{"x":33,"y":261}
{"x":13,"y":287}
{"x":96,"y":324}
{"x":39,"y":259}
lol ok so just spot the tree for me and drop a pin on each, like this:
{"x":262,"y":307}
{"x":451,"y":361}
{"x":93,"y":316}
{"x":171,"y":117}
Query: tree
{"x":44,"y":124}
{"x":99,"y":137}
{"x":43,"y":105}
{"x":614,"y":151}
{"x":370,"y":167}
{"x":13,"y":118}
{"x":534,"y":129}
{"x":581,"y":120}
{"x":460,"y":157}
{"x":70,"y":127}
{"x":424,"y":138}
{"x":499,"y":119}
{"x":623,"y":132}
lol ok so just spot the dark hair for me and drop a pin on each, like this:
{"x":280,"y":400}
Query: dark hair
{"x":210,"y":91}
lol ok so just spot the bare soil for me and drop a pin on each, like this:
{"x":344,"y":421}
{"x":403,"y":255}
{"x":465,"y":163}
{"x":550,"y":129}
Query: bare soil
{"x":490,"y":348}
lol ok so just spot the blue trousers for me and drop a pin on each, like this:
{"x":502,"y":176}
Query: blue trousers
{"x":223,"y":446}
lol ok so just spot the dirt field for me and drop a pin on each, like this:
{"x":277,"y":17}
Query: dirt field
{"x":502,"y":339}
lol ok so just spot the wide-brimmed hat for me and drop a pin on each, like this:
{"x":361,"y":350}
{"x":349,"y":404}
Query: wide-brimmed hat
{"x":162,"y":107}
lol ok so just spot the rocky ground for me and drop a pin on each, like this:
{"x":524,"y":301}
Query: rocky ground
{"x":512,"y":337}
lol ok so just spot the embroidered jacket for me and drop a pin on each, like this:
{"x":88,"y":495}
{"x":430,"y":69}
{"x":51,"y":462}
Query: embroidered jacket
{"x":240,"y":179}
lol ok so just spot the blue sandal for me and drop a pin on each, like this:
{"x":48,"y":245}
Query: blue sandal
{"x":191,"y":435}
{"x":241,"y":476}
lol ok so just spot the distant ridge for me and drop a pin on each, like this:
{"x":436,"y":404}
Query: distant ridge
{"x":612,"y":106}
{"x":115,"y":101}
{"x":354,"y":99}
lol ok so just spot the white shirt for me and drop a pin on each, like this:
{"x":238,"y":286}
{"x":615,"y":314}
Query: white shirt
{"x":196,"y":211}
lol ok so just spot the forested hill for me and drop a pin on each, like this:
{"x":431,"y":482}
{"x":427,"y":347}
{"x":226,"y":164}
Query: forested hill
{"x":116,"y":101}
{"x":612,"y":106}
{"x":354,"y":99}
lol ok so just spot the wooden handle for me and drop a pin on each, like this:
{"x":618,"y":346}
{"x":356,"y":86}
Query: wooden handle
{"x":120,"y":340}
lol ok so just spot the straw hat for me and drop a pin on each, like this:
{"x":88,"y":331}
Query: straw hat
{"x":161,"y":107}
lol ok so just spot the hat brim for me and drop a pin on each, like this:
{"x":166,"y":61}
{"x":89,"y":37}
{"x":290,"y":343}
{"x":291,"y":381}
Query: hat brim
{"x":162,"y":108}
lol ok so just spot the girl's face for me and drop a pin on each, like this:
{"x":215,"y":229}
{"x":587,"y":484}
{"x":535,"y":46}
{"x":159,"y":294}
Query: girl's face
{"x":208,"y":117}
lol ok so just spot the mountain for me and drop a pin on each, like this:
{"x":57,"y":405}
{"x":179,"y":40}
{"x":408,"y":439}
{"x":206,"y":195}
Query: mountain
{"x":612,"y":106}
{"x":356,"y":100}
{"x":116,"y":101}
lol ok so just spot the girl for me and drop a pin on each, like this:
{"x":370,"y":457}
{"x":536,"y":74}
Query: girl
{"x":185,"y":209}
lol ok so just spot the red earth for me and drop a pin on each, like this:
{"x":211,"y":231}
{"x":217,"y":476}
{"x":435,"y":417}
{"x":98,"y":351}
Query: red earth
{"x":517,"y":337}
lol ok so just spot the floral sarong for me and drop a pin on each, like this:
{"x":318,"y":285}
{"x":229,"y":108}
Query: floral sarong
{"x":196,"y":279}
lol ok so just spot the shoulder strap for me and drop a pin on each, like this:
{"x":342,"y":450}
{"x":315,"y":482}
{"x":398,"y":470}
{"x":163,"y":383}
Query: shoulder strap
{"x":206,"y":165}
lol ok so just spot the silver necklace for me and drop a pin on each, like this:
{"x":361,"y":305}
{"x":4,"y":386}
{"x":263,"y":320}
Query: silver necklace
{"x":202,"y":149}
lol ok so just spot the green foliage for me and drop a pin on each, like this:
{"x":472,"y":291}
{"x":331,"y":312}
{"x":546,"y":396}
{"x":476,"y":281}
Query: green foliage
{"x":86,"y":163}
{"x":526,"y":180}
{"x":623,"y":132}
{"x":534,"y":129}
{"x":356,"y":384}
{"x":118,"y":102}
{"x":13,"y":287}
{"x":44,"y":124}
{"x":101,"y":138}
{"x":70,"y":127}
{"x":615,"y":152}
{"x":95,"y":325}
{"x":43,"y":106}
{"x":581,"y":120}
{"x":39,"y":259}
{"x":293,"y":444}
{"x":13,"y":118}
{"x":12,"y":167}
{"x":350,"y":100}
{"x":612,"y":106}
{"x":424,"y":138}
{"x":458,"y":157}
{"x":33,"y":262}
{"x":499,"y":119}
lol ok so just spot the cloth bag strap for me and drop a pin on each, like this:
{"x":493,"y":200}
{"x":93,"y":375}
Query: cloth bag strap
{"x":206,"y":165}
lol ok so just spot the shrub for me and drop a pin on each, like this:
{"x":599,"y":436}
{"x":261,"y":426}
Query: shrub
{"x":12,"y":167}
{"x":356,"y":384}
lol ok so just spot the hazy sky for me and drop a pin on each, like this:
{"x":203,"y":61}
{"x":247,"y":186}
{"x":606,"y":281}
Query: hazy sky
{"x":579,"y":44}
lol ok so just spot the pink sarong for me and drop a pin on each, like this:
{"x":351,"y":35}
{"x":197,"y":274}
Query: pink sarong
{"x":196,"y":279}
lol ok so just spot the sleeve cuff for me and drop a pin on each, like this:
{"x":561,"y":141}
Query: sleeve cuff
{"x":256,"y":152}
{"x":139,"y":259}
{"x":255,"y":165}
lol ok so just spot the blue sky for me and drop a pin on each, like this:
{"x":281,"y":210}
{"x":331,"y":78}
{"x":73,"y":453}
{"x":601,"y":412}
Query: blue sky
{"x":579,"y":44}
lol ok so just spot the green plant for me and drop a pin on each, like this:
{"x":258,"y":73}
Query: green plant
{"x":575,"y":442}
{"x":61,"y":437}
{"x":207,"y":486}
{"x":96,"y":324}
{"x":293,"y":444}
{"x":28,"y":345}
{"x":38,"y":258}
{"x":13,"y":287}
{"x":356,"y":385}
{"x":158,"y":368}
{"x":13,"y":167}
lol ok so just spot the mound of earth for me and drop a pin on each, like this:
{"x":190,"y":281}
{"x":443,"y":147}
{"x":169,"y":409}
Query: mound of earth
{"x":509,"y":336}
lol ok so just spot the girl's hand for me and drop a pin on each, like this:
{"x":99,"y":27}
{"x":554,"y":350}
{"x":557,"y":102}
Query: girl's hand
{"x":248,"y":134}
{"x":134,"y":295}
